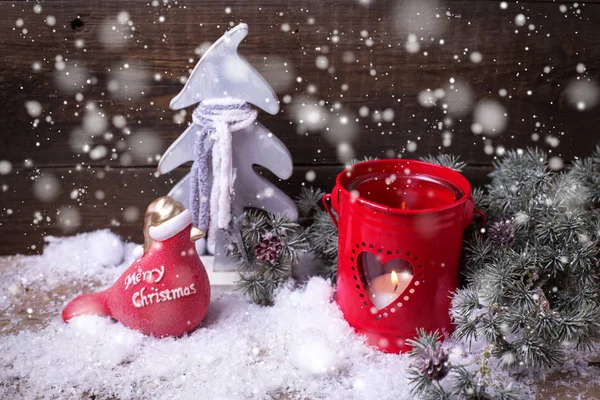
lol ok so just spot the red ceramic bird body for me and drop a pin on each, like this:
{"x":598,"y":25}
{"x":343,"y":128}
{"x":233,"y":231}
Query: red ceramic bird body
{"x":166,"y":292}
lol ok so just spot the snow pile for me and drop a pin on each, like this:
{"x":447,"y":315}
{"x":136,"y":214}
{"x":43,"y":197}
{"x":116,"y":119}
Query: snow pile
{"x":99,"y":256}
{"x":299,"y":348}
{"x":85,"y":254}
{"x":241,"y":351}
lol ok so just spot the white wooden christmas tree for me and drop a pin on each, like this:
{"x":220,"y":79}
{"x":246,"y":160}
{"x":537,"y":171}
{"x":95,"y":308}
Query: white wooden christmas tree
{"x":224,"y":141}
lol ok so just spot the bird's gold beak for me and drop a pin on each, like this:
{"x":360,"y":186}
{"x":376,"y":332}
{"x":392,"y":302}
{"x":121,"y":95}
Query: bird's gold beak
{"x":196,"y":234}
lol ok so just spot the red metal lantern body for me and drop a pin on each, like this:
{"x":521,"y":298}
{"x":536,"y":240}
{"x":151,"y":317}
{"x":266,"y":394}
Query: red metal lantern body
{"x":400,"y":217}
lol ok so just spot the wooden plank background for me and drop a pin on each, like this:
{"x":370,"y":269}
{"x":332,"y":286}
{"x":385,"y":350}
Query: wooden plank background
{"x":284,"y":41}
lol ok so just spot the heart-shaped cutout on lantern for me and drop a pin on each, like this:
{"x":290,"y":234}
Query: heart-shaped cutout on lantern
{"x":384,"y":283}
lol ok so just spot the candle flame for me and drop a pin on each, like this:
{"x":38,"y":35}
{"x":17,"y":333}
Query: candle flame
{"x":394,"y":278}
{"x":403,"y":205}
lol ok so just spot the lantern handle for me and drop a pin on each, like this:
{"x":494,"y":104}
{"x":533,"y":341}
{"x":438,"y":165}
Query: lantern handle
{"x":470,"y":210}
{"x":328,"y":208}
{"x":483,"y":217}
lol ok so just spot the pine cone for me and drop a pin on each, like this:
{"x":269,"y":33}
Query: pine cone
{"x":268,"y":249}
{"x":433,"y":363}
{"x":502,"y":233}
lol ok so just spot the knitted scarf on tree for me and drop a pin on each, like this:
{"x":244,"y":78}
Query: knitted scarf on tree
{"x":218,"y":118}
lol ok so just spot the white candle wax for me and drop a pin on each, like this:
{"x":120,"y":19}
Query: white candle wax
{"x":386,"y":288}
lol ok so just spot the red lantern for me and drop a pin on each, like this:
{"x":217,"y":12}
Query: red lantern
{"x":401,"y":226}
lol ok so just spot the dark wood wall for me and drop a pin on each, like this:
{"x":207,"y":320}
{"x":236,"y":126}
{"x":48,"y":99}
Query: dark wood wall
{"x":369,"y":65}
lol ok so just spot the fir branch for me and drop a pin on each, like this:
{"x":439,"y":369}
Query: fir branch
{"x":272,"y":244}
{"x":323,"y":235}
{"x":430,"y":362}
{"x":567,"y":192}
{"x":294,"y":246}
{"x":478,"y":252}
{"x":432,"y":376}
{"x":557,"y":228}
{"x":464,"y":383}
{"x":364,"y":159}
{"x":323,"y":241}
{"x":277,"y":272}
{"x":517,"y":181}
{"x":523,"y":301}
{"x":309,"y":200}
{"x":256,"y":288}
{"x":538,"y":353}
{"x":281,"y":224}
{"x":446,"y":160}
{"x":552,"y":259}
{"x":534,"y":277}
{"x":498,"y":280}
{"x":480,"y":198}
{"x":465,"y":302}
{"x":587,"y":172}
{"x":435,"y":392}
{"x":466,"y":329}
{"x":253,"y":226}
{"x":423,"y":341}
{"x":585,"y":296}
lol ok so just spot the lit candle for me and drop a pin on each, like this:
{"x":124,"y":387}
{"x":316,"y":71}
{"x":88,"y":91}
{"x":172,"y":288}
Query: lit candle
{"x":386,"y":288}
